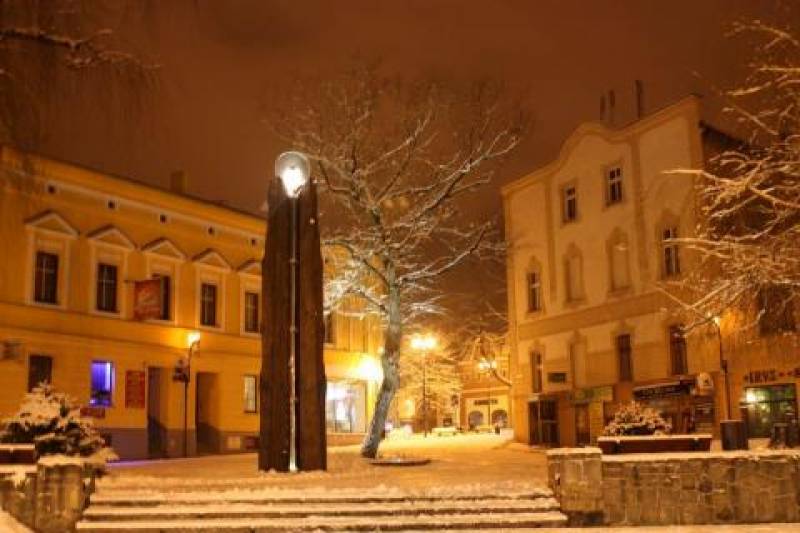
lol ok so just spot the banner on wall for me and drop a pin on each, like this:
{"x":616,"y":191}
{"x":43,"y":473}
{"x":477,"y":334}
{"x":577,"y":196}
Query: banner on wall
{"x":147,"y":299}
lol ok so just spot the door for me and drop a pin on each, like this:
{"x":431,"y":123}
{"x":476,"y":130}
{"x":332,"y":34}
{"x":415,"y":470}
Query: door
{"x":543,"y":423}
{"x":582,"y":436}
{"x":206,"y":413}
{"x":156,"y":432}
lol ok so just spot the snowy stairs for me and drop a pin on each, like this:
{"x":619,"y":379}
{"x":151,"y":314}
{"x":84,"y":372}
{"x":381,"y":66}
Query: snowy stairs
{"x":314,"y":510}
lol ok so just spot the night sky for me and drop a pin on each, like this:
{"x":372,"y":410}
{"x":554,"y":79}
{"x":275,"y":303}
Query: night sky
{"x":219,"y":61}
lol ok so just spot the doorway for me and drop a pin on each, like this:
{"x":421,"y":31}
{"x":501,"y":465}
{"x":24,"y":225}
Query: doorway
{"x":543,"y":423}
{"x":206,"y":413}
{"x":156,"y":432}
{"x":582,"y":433}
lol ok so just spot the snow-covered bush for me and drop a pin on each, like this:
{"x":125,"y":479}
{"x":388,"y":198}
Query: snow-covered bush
{"x":52,"y":421}
{"x":633,"y":419}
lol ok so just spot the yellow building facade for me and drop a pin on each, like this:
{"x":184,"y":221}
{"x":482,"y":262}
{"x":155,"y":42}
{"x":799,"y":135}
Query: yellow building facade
{"x":590,"y":326}
{"x":77,"y":248}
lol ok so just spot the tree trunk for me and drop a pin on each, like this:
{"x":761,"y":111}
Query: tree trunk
{"x":391,"y":376}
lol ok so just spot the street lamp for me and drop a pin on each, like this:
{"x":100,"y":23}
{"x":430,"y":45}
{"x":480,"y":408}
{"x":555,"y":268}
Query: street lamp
{"x":294,"y":170}
{"x":732,"y":432}
{"x":424,"y":344}
{"x":192,"y":342}
{"x":488,"y":366}
{"x":723,"y":365}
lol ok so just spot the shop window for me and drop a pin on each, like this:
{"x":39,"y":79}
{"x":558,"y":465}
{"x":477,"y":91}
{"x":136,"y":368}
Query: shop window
{"x":102,"y":382}
{"x":251,"y":323}
{"x":208,"y":304}
{"x":251,"y":394}
{"x":569,"y":203}
{"x":106,"y":288}
{"x":624,"y":357}
{"x":40,"y":370}
{"x":346,"y":407}
{"x":671,"y":258}
{"x":767,"y":406}
{"x":614,"y":186}
{"x":536,"y":370}
{"x":46,"y":278}
{"x":775,"y":310}
{"x":677,"y":350}
{"x":534,"y":292}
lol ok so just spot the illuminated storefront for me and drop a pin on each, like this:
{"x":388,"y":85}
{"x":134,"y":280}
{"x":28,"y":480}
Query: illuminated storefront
{"x":346,"y":407}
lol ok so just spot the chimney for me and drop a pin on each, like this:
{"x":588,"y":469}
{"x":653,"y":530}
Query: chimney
{"x":178,"y":182}
{"x":612,"y":102}
{"x":639,"y":99}
{"x":603,"y":108}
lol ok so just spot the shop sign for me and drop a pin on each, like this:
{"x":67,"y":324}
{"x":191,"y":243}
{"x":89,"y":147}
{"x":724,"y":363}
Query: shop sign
{"x":485,"y":402}
{"x":675,"y":388}
{"x":147,"y":299}
{"x":769,"y":375}
{"x":557,"y":377}
{"x":135,"y":389}
{"x":594,"y":394}
{"x":92,"y":411}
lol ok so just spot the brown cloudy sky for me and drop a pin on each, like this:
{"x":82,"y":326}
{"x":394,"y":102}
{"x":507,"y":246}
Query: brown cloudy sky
{"x":219,"y":58}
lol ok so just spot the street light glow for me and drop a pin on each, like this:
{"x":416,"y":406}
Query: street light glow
{"x":192,"y":338}
{"x":294,"y":170}
{"x":423,"y":342}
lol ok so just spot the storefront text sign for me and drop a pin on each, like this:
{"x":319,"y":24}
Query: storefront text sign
{"x":594,"y":394}
{"x":771,"y":374}
{"x":676,"y":388}
{"x":135,"y":389}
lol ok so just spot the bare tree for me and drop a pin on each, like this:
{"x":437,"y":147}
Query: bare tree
{"x":394,"y":159}
{"x":50,"y":47}
{"x":747,"y":242}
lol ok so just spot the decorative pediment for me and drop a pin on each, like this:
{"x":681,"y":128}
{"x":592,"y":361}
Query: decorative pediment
{"x":251,"y":267}
{"x":212,"y":258}
{"x":164,"y":247}
{"x":112,"y":236}
{"x":52,"y":222}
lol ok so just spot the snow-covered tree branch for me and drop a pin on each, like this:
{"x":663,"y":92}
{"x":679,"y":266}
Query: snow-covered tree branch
{"x":747,"y":241}
{"x":395,"y":159}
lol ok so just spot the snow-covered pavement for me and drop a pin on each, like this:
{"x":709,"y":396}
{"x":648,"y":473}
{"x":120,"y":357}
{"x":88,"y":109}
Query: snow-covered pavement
{"x":457,"y":460}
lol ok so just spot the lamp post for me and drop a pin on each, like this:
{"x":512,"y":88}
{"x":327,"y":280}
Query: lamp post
{"x":192,"y":341}
{"x":293,"y":169}
{"x":488,"y":365}
{"x":424,"y":344}
{"x":723,"y":366}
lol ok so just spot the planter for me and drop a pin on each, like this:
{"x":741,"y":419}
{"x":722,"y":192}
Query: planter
{"x":655,"y":443}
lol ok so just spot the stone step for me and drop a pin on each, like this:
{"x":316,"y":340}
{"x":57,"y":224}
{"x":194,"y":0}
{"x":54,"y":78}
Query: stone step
{"x":287,"y":510}
{"x":337,"y":523}
{"x":268,"y":496}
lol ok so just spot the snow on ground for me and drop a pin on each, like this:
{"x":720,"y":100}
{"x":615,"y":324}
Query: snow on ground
{"x":9,"y":525}
{"x":461,"y":460}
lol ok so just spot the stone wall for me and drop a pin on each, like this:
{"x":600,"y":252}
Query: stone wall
{"x":685,"y":488}
{"x":50,"y":499}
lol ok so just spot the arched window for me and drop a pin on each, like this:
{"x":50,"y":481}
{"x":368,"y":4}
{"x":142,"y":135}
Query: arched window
{"x":619,"y":261}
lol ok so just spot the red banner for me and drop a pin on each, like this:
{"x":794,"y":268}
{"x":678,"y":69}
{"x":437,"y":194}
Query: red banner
{"x":135,"y":389}
{"x":147,"y":299}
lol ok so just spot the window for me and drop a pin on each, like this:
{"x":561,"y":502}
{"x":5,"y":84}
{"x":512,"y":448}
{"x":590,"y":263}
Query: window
{"x":40,"y":370}
{"x":251,"y":394}
{"x":574,"y":275}
{"x":330,"y":329}
{"x":165,"y":297}
{"x":775,"y":310}
{"x":534,"y":292}
{"x":672,"y":264}
{"x":346,"y":407}
{"x":208,"y":304}
{"x":620,"y":271}
{"x":46,"y":278}
{"x":251,"y":324}
{"x":624,"y":357}
{"x":102,"y":380}
{"x":677,"y":350}
{"x":570,"y":203}
{"x":536,"y":370}
{"x":614,"y":184}
{"x":106,"y":288}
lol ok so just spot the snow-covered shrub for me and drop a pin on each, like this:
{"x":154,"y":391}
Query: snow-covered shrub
{"x":52,"y":421}
{"x":633,"y":419}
